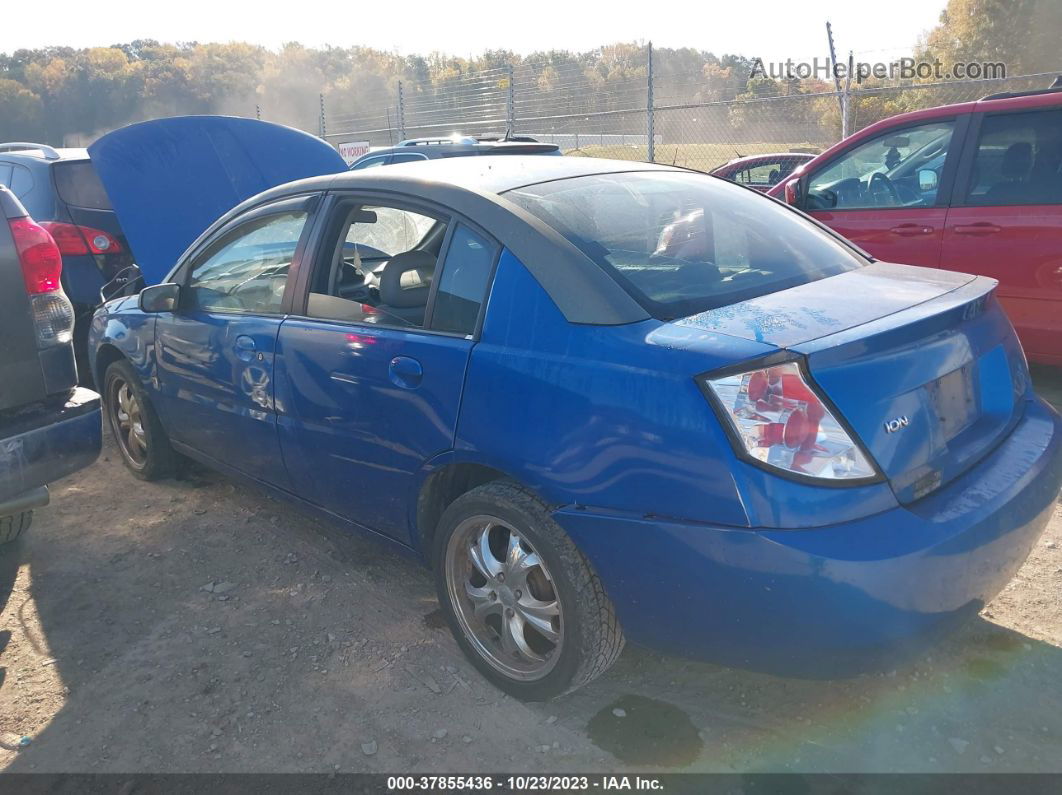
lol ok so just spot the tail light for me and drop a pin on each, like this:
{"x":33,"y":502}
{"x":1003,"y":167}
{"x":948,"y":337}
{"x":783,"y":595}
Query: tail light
{"x":779,"y":421}
{"x":38,"y":254}
{"x":42,"y":265}
{"x":76,"y":240}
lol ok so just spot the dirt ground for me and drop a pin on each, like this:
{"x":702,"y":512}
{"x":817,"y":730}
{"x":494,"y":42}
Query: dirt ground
{"x":315,"y":650}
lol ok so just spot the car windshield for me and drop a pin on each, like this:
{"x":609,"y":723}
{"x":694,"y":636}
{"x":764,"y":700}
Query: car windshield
{"x":682,"y":243}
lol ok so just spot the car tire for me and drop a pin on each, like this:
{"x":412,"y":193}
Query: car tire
{"x":11,"y":527}
{"x":143,"y":444}
{"x":588,"y":637}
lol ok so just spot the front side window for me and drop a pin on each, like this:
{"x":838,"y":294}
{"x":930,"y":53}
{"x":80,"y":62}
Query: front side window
{"x":381,"y":268}
{"x":1018,"y":160}
{"x":683,"y":243}
{"x":247,"y":269}
{"x":896,"y":169}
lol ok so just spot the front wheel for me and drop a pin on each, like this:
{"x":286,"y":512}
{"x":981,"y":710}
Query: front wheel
{"x":143,"y":443}
{"x":520,"y":598}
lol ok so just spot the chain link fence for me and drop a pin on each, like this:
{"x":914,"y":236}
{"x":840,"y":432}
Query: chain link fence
{"x":629,"y":111}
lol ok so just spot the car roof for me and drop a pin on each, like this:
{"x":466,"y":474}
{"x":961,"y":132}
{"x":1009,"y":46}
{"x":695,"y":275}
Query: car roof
{"x":34,"y":155}
{"x":434,"y":149}
{"x":487,"y":174}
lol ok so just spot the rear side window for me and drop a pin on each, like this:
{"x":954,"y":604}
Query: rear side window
{"x":77,"y":184}
{"x":682,"y":243}
{"x":5,"y":174}
{"x":21,"y":180}
{"x":463,"y":286}
{"x":1018,"y":160}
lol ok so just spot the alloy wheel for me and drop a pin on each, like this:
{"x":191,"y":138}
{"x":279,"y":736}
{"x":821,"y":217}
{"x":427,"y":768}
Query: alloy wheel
{"x":127,"y":422}
{"x":504,"y":598}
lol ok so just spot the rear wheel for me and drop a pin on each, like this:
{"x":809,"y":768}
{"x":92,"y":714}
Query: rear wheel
{"x":521,"y":600}
{"x":143,"y":443}
{"x":11,"y":527}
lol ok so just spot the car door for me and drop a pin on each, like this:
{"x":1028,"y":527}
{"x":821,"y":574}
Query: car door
{"x":888,"y":193}
{"x":1006,"y":221}
{"x":371,"y":370}
{"x":215,"y":353}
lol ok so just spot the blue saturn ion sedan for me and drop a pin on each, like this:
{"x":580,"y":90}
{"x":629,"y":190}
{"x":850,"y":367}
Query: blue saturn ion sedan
{"x":605,"y":401}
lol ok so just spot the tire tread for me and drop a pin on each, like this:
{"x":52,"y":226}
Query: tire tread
{"x":11,"y":527}
{"x":602,"y":638}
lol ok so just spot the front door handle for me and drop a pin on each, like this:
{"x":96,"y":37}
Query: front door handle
{"x":405,"y":372}
{"x":980,"y":228}
{"x":244,"y":347}
{"x":910,"y":230}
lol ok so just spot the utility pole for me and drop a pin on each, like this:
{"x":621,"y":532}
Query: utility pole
{"x":401,"y":113}
{"x":842,"y":93}
{"x":322,"y":120}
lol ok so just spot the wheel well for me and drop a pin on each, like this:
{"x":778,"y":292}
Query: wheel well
{"x":105,"y":357}
{"x":440,"y":490}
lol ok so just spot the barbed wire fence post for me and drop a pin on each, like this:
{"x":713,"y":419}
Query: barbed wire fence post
{"x":510,"y":102}
{"x":401,"y":113}
{"x":650,"y":125}
{"x":322,"y":128}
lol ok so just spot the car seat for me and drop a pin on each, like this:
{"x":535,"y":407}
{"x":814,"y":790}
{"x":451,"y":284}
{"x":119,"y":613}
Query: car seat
{"x":404,"y":286}
{"x":1017,"y":162}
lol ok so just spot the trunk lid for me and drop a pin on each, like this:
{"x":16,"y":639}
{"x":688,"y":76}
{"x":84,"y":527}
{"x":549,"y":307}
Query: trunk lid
{"x":923,"y":364}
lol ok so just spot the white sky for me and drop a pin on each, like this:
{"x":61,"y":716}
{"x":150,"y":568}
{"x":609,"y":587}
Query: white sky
{"x":771,"y":29}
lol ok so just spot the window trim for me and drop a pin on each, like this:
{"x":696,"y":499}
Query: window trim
{"x":964,"y":173}
{"x":401,"y":201}
{"x":947,"y":176}
{"x":307,"y":203}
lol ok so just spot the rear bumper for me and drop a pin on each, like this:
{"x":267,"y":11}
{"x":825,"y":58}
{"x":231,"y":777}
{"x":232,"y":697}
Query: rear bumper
{"x":44,"y":443}
{"x":838,"y":598}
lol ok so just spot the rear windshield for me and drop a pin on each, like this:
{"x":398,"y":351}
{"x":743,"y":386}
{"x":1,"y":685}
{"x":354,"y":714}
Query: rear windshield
{"x":683,"y":243}
{"x":77,"y":184}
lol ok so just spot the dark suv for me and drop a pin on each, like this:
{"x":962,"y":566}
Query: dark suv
{"x":49,"y":427}
{"x":455,"y":146}
{"x":60,"y":190}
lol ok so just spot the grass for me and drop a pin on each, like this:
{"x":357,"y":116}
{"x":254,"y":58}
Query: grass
{"x":700,"y":156}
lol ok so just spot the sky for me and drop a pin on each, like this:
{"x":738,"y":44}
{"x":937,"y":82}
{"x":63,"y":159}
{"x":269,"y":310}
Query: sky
{"x":770,"y":29}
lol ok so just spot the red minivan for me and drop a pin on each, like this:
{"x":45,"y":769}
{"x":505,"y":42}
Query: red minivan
{"x":975,"y":187}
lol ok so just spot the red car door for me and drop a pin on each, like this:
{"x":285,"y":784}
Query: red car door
{"x":887,"y":193}
{"x":1006,"y":221}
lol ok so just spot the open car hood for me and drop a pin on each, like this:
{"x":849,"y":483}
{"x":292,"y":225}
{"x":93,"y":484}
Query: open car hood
{"x":169,"y":179}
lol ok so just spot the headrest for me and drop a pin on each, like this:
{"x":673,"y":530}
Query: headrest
{"x":1017,"y":160}
{"x":406,"y":279}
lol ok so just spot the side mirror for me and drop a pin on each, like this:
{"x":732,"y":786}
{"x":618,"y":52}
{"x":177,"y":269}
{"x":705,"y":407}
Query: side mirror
{"x":927,"y":180}
{"x":792,"y":192}
{"x":159,"y":298}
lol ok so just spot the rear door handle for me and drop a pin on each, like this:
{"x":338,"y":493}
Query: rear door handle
{"x":910,"y":230}
{"x":244,"y":347}
{"x":980,"y":228}
{"x":405,"y":372}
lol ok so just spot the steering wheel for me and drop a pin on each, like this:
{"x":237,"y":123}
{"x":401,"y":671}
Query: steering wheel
{"x":881,"y":179}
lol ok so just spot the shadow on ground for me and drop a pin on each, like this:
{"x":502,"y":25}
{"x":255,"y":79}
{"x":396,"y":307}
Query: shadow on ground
{"x":315,"y":650}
